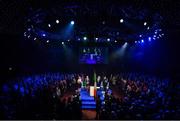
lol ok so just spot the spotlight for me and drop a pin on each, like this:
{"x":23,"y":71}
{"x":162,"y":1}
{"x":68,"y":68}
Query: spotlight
{"x":121,"y":20}
{"x":145,"y":23}
{"x":108,"y":39}
{"x":57,"y":21}
{"x":154,"y":35}
{"x":154,"y":38}
{"x":155,"y":32}
{"x":135,"y":41}
{"x":68,"y":40}
{"x":29,"y":36}
{"x":139,"y":42}
{"x":72,"y":22}
{"x":29,"y":29}
{"x":149,"y":39}
{"x":96,"y":38}
{"x":115,"y":41}
{"x":35,"y":38}
{"x":147,"y":28}
{"x":79,"y":39}
{"x":140,"y":35}
{"x":44,"y":35}
{"x":142,"y":41}
{"x":162,"y":34}
{"x":47,"y":41}
{"x":62,"y":43}
{"x":85,"y":38}
{"x":10,"y":68}
{"x":49,"y":25}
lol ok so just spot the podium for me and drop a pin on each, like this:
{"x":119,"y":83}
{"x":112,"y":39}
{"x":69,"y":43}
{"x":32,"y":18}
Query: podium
{"x":92,"y":90}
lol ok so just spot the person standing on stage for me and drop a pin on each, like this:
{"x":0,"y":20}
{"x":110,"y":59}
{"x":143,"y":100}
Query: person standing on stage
{"x":98,"y":81}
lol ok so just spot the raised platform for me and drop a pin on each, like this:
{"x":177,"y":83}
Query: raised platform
{"x":88,"y":102}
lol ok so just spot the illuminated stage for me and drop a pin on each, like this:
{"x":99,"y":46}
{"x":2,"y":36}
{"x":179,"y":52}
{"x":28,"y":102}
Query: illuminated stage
{"x":88,"y":102}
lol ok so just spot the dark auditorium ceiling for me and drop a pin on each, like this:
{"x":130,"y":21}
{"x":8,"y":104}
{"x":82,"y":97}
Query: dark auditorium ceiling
{"x":14,"y":13}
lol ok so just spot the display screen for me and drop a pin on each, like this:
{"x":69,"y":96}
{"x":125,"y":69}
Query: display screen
{"x":93,"y":55}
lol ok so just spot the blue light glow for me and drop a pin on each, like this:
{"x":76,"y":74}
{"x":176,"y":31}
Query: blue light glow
{"x":121,"y":20}
{"x":145,"y":23}
{"x":44,"y":35}
{"x":142,"y":41}
{"x":57,"y":21}
{"x":85,"y":38}
{"x":72,"y":22}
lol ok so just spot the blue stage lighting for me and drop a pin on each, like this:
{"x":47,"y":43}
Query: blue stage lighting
{"x":44,"y":35}
{"x":115,"y":41}
{"x":135,"y":41}
{"x":121,"y":20}
{"x":96,"y":38}
{"x":142,"y":41}
{"x":140,"y":35}
{"x":139,"y":42}
{"x":149,"y":38}
{"x":147,"y":28}
{"x":68,"y":40}
{"x":47,"y":41}
{"x":85,"y":38}
{"x":108,"y":39}
{"x":57,"y":21}
{"x":145,"y":23}
{"x":72,"y":22}
{"x":62,"y":43}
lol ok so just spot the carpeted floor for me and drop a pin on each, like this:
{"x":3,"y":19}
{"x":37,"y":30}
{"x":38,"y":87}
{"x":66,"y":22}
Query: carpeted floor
{"x":88,"y":114}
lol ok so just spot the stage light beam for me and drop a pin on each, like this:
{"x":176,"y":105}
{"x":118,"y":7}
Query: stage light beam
{"x":57,"y":21}
{"x":85,"y":38}
{"x":145,"y":23}
{"x":72,"y":22}
{"x":121,"y":20}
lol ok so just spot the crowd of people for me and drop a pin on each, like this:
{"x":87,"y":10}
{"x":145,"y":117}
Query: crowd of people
{"x":40,"y":97}
{"x":142,"y":97}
